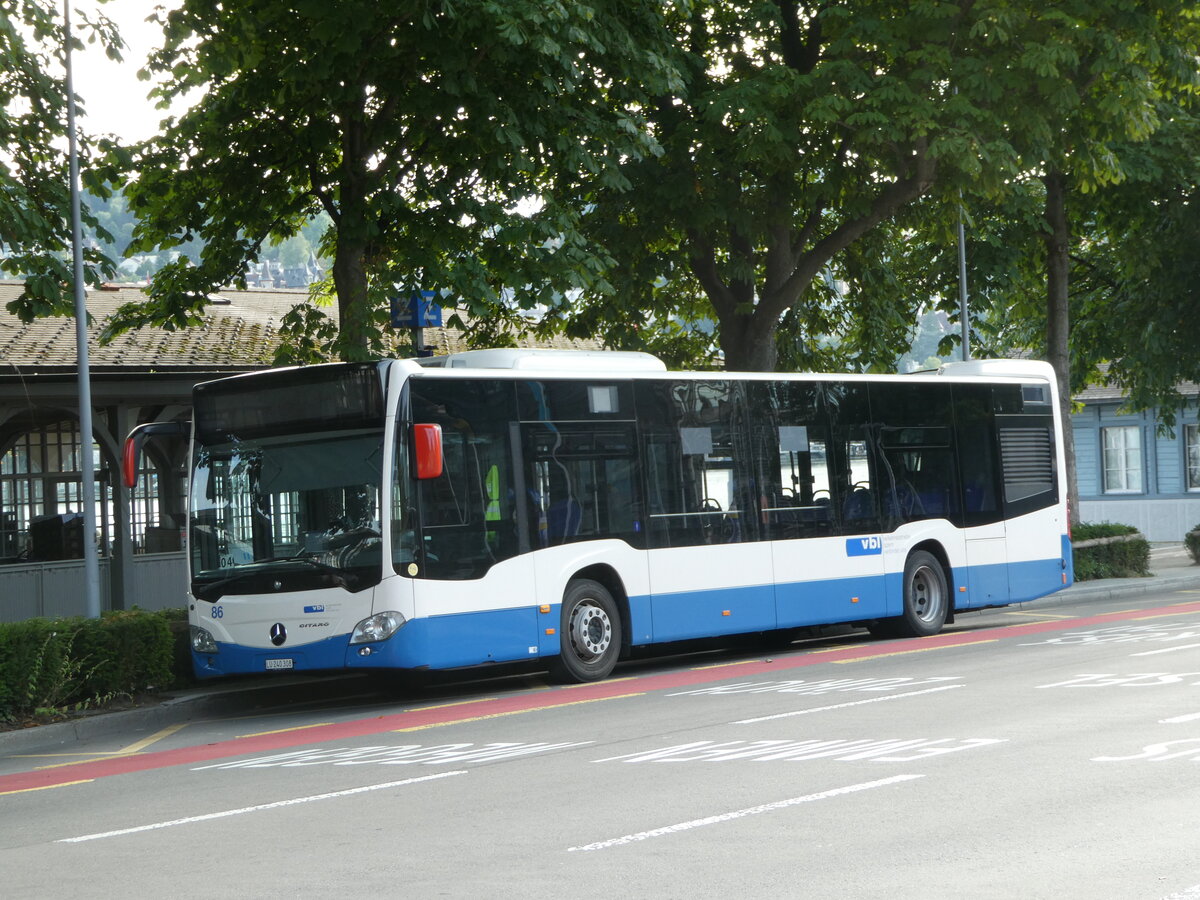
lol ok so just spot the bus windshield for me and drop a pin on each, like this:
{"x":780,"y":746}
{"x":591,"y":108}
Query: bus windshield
{"x":286,"y":512}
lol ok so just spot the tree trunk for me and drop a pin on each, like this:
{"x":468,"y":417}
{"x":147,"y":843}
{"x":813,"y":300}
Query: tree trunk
{"x":353,"y":236}
{"x":748,"y":342}
{"x":1058,"y":325}
{"x":350,"y":282}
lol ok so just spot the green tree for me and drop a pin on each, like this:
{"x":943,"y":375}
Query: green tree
{"x":1109,"y":66}
{"x":35,"y":190}
{"x":1137,"y":268}
{"x":428,"y":132}
{"x":1086,"y":86}
{"x":801,"y":134}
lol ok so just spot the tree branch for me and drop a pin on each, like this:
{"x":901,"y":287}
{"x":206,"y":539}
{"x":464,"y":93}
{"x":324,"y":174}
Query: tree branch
{"x":922,"y":173}
{"x":801,"y":51}
{"x":703,"y":262}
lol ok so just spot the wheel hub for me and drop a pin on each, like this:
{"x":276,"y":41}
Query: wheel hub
{"x":591,"y":630}
{"x":926,"y":597}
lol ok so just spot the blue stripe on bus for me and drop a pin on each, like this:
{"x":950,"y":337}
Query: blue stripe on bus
{"x":693,"y":614}
{"x":1030,"y":580}
{"x":839,"y":599}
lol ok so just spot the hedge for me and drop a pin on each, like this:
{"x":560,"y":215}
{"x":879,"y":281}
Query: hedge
{"x":1191,"y":540}
{"x":1109,"y":550}
{"x":53,"y":665}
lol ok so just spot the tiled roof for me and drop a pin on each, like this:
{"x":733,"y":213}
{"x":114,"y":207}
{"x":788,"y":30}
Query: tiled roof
{"x":1107,"y":391}
{"x":238,"y":335}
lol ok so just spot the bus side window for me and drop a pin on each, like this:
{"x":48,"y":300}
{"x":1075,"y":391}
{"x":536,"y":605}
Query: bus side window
{"x":853,"y":458}
{"x":976,"y":445}
{"x":797,"y":500}
{"x":581,"y":482}
{"x":917,"y":477}
{"x":702,"y":478}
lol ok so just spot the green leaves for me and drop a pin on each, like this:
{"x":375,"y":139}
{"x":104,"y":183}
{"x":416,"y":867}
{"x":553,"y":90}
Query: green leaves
{"x":35,"y":210}
{"x":420,"y":131}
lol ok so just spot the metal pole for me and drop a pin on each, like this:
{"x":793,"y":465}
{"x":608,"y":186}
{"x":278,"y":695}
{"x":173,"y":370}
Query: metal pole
{"x":91,"y":565}
{"x":963,"y":312}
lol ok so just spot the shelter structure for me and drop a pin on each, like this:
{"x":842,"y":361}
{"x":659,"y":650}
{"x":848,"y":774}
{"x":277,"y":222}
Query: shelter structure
{"x":142,"y":376}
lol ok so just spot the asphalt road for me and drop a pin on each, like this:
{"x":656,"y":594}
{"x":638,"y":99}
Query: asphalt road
{"x":1046,"y":751}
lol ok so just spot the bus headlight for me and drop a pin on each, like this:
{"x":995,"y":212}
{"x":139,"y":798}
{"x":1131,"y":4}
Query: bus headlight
{"x":202,"y":641}
{"x":378,"y":627}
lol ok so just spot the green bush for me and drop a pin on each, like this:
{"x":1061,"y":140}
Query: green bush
{"x":53,"y":665}
{"x":1119,"y":559}
{"x":1191,"y":540}
{"x":1085,"y":531}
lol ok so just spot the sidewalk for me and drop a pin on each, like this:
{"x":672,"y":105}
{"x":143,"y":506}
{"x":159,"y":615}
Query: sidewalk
{"x":1171,"y":569}
{"x":1170,"y":566}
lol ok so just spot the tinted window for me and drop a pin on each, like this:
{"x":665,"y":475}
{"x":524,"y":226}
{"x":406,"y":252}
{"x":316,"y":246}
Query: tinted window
{"x":582,"y":482}
{"x":852,"y":458}
{"x":574,"y":401}
{"x":918,"y":476}
{"x":976,"y":436}
{"x":701,"y":472}
{"x":792,"y":429}
{"x":469,"y":515}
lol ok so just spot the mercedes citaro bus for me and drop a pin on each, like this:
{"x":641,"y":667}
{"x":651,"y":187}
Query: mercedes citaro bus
{"x":503,"y":505}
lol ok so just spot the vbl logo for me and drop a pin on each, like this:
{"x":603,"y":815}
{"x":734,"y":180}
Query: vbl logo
{"x":867,"y":546}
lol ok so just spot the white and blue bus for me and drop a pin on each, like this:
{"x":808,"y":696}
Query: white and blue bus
{"x":566,"y":507}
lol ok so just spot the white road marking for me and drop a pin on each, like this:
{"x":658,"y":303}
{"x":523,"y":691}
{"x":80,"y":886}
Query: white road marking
{"x":886,"y":750}
{"x":801,"y":712}
{"x":1167,"y":650}
{"x":249,"y":809}
{"x":1175,"y":720}
{"x":404,"y":754}
{"x":741,"y":813}
{"x":1186,"y":894}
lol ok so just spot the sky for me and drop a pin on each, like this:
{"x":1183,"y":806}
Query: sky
{"x":114,"y":100}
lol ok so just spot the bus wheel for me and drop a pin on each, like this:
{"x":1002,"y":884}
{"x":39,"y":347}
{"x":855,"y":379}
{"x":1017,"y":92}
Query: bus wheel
{"x":926,"y":597}
{"x":589,"y":633}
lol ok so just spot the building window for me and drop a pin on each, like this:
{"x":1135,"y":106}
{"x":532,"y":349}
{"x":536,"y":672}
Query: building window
{"x":41,"y":496}
{"x":1192,"y":440}
{"x":1122,"y":459}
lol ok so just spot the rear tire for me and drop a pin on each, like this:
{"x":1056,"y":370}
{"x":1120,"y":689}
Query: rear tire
{"x":589,"y":633}
{"x":926,"y":596}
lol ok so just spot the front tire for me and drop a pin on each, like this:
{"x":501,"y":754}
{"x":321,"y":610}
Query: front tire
{"x":589,"y":633}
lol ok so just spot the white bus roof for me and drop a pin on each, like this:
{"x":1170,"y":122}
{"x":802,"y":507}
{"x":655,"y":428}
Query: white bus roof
{"x":552,"y":360}
{"x":632,"y":362}
{"x":1000,"y":368}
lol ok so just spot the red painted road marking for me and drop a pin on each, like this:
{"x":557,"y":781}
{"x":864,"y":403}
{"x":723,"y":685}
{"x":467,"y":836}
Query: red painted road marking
{"x":446,"y":715}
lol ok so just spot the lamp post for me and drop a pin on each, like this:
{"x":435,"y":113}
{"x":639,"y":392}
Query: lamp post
{"x":963,"y":312}
{"x":91,"y":565}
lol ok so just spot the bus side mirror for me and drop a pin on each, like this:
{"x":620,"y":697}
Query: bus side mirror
{"x":427,"y":450}
{"x":133,"y":445}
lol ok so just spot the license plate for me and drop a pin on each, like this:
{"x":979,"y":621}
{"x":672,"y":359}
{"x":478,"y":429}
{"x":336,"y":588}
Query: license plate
{"x":280,"y":663}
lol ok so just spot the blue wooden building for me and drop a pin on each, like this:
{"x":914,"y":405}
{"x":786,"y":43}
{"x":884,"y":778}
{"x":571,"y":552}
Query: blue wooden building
{"x":1130,"y":473}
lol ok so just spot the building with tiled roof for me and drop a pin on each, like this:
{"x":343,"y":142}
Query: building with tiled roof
{"x":141,"y":376}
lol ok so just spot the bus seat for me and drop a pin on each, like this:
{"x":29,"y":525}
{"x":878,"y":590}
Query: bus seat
{"x":860,"y":504}
{"x":563,"y":519}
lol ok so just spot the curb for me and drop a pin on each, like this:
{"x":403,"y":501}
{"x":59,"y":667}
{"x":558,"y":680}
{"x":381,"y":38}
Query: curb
{"x":1115,"y":588}
{"x":183,"y":707}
